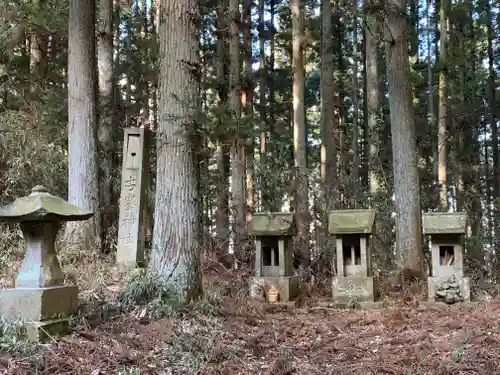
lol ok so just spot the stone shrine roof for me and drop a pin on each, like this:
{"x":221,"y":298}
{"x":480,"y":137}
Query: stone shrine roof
{"x":40,"y":205}
{"x":273,"y":224}
{"x":351,"y":222}
{"x":445,"y":223}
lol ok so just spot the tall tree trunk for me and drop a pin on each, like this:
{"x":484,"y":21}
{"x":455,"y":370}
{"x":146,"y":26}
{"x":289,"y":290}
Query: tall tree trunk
{"x":431,"y":99}
{"x":299,"y":130}
{"x":222,"y":150}
{"x":329,"y":127}
{"x":237,"y":147}
{"x":329,"y":114}
{"x":377,"y":186}
{"x":340,"y":39}
{"x":105,"y":67}
{"x":373,"y":104}
{"x":404,"y":148}
{"x":247,"y":102}
{"x":443,"y":105}
{"x":83,"y":182}
{"x":354,"y":194}
{"x":175,"y":255}
{"x":492,"y":103}
{"x":264,"y":146}
{"x":275,"y":198}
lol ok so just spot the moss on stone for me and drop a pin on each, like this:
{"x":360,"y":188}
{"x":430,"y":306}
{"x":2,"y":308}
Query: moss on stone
{"x":351,"y":222}
{"x":445,"y":223}
{"x":273,"y":224}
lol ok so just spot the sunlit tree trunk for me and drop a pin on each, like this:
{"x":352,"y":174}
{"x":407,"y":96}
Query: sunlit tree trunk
{"x":105,"y":70}
{"x":329,"y":111}
{"x":238,"y":160}
{"x":299,"y":130}
{"x":443,"y":105}
{"x":373,"y":103}
{"x":264,"y":146}
{"x":247,"y":102}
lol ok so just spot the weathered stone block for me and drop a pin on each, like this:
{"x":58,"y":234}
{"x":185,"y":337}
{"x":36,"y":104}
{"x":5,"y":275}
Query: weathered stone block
{"x":46,"y":330}
{"x":353,"y":289}
{"x":38,"y":304}
{"x":131,"y":220}
{"x":288,"y":286}
{"x":463,"y":284}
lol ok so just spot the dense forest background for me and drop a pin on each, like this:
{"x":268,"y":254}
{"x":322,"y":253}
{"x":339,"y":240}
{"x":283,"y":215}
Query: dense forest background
{"x":303,"y":106}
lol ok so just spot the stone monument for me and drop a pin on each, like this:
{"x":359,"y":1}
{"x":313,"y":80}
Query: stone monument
{"x":354,"y":282}
{"x":131,"y":224}
{"x":274,"y":255}
{"x":446,"y":231}
{"x":39,"y":296}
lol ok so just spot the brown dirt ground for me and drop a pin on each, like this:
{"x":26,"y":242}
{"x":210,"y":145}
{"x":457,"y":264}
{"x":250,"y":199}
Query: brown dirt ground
{"x":246,"y":338}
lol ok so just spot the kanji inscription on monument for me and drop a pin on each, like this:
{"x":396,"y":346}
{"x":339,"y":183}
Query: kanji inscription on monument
{"x":131,"y":231}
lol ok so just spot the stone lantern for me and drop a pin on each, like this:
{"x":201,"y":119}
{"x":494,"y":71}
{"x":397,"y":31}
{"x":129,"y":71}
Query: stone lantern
{"x":354,"y":281}
{"x":274,"y":233}
{"x":446,"y":231}
{"x":39,"y":296}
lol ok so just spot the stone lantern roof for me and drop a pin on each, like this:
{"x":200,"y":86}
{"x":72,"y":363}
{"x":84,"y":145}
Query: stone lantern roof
{"x":40,"y":205}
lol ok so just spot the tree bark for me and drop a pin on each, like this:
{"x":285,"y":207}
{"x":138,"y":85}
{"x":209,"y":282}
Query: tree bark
{"x":83,"y":183}
{"x":354,"y":181}
{"x":373,"y":104}
{"x":237,"y":145}
{"x":329,"y":114}
{"x":105,"y":67}
{"x":299,"y":130}
{"x":404,"y":148}
{"x":443,"y":106}
{"x":222,"y":150}
{"x":247,"y":102}
{"x":275,"y":196}
{"x":263,"y":140}
{"x":493,"y":105}
{"x":175,"y":254}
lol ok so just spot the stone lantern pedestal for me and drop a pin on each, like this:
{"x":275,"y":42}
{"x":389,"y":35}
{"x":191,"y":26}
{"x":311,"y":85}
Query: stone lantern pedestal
{"x":39,"y":296}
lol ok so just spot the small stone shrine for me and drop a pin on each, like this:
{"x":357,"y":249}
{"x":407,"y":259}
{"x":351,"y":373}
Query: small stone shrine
{"x":274,"y":256}
{"x":131,"y":223}
{"x":354,"y":282}
{"x":446,"y":231}
{"x":39,"y":297}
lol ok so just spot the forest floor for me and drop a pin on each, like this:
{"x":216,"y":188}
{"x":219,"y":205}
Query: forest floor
{"x":228,"y":334}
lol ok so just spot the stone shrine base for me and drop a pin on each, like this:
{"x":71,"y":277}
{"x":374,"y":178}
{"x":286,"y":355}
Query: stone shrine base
{"x":463,"y":283}
{"x":353,"y":289}
{"x":44,"y":311}
{"x":288,"y":287}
